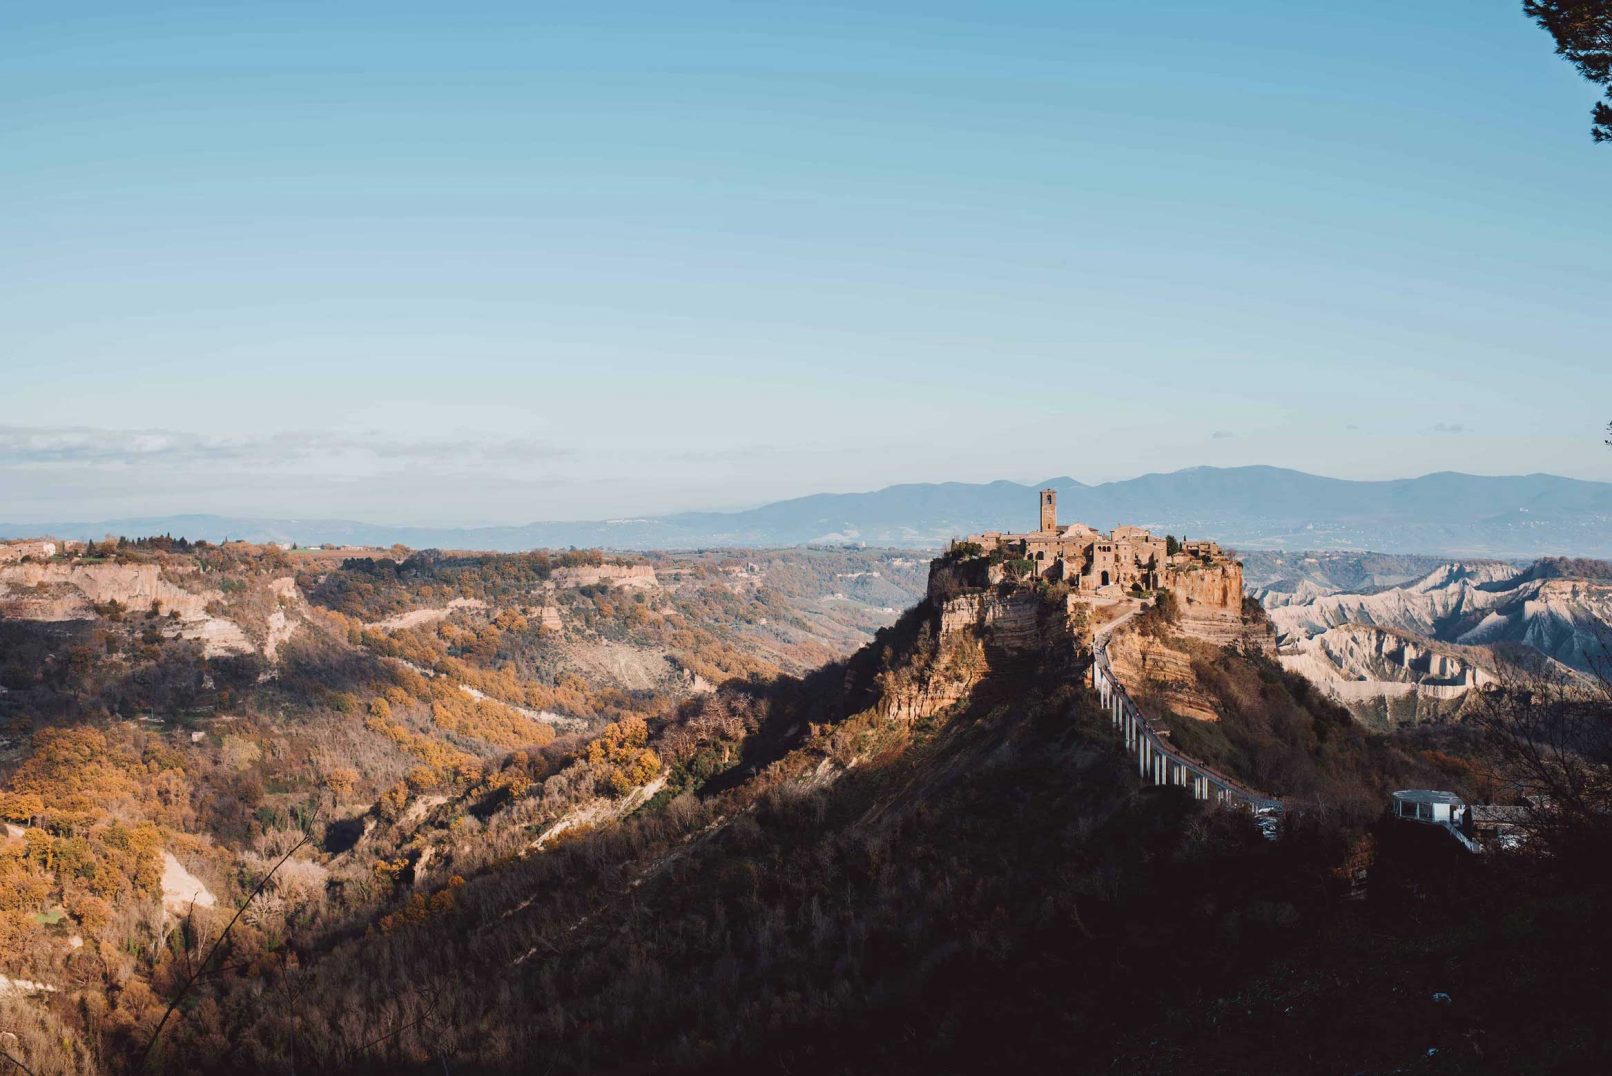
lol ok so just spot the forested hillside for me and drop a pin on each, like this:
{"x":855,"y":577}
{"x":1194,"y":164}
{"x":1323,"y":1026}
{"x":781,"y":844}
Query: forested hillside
{"x":175,"y":717}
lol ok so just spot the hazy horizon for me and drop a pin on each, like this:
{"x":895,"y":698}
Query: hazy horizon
{"x":498,"y":263}
{"x":513,"y":522}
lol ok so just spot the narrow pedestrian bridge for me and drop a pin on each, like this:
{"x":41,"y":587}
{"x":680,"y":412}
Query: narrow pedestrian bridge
{"x":1157,"y":760}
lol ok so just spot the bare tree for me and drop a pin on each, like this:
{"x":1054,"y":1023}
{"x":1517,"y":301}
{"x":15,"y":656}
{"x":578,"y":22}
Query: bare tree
{"x":1552,"y":739}
{"x":1553,"y":734}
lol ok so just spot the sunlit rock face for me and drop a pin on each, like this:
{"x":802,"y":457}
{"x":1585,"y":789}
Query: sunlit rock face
{"x":1417,"y":651}
{"x":259,"y":617}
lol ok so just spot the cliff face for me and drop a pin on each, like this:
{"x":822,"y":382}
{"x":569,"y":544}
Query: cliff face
{"x":975,"y":600}
{"x":949,"y":578}
{"x":615,"y":575}
{"x":259,"y":619}
{"x":1007,"y":623}
{"x":69,"y":591}
{"x":1357,"y":652}
{"x":924,"y":688}
{"x":1216,"y":586}
{"x":1210,"y":600}
{"x":1160,"y":672}
{"x":978,"y":624}
{"x":1472,"y":604}
{"x":1416,"y":651}
{"x":1387,"y":678}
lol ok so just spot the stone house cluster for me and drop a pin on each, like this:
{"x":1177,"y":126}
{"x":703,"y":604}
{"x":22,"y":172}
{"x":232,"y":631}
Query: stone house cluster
{"x":1089,"y":560}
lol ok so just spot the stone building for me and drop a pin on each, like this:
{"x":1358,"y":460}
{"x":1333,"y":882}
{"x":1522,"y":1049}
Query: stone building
{"x":1089,"y":560}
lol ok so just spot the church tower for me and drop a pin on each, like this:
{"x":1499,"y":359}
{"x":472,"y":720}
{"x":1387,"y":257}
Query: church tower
{"x":1049,"y":511}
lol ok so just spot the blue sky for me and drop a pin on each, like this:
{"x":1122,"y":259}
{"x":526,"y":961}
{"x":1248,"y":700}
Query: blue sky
{"x":490,"y":262}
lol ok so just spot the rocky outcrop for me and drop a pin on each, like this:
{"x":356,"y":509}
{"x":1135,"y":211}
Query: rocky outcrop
{"x":640,"y":576}
{"x":1292,"y":593}
{"x":933,"y":690}
{"x":190,"y":607}
{"x":1419,"y":651}
{"x":969,"y":634}
{"x":1359,"y":652}
{"x":948,"y":577}
{"x":1439,"y":601}
{"x":21,"y":988}
{"x":69,"y":591}
{"x":1567,"y":620}
{"x":936,"y":677}
{"x":54,"y":592}
{"x":281,"y":623}
{"x":1275,"y":578}
{"x":415,"y":618}
{"x":596,"y":811}
{"x":1010,"y":622}
{"x":38,"y":549}
{"x":1159,"y":672}
{"x":974,"y":632}
{"x":547,"y":717}
{"x":547,"y":617}
{"x":1216,"y":586}
{"x":182,"y":890}
{"x":1385,"y":677}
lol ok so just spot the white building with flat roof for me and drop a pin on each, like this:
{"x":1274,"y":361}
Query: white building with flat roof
{"x":1429,"y":805}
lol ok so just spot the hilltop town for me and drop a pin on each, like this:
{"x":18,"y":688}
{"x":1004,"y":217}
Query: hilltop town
{"x":1097,"y":576}
{"x":1129,"y":560}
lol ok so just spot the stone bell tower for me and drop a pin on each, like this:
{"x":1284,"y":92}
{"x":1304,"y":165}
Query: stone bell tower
{"x":1049,"y":511}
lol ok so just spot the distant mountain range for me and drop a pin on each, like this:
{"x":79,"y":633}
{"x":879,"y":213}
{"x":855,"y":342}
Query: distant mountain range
{"x":1447,"y":514}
